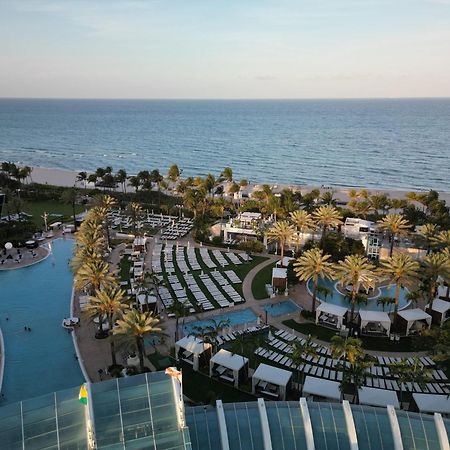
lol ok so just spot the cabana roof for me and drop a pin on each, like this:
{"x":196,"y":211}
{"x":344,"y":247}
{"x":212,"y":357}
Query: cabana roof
{"x":329,"y":308}
{"x":414,"y":314}
{"x":193,"y":344}
{"x":278,"y":272}
{"x":322,"y":388}
{"x":229,"y":360}
{"x":374,"y":316}
{"x":440,"y":306}
{"x":273,"y":375}
{"x":377,"y":397}
{"x":432,"y":403}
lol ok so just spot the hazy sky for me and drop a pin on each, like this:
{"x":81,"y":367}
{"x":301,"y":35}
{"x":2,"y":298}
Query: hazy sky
{"x":224,"y":48}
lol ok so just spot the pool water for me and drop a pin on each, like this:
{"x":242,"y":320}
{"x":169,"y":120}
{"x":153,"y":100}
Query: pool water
{"x":281,"y":308}
{"x":236,"y":318}
{"x":339,"y":299}
{"x":41,"y":360}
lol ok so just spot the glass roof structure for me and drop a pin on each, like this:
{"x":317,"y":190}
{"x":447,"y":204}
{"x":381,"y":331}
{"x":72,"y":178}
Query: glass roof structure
{"x":146,"y":412}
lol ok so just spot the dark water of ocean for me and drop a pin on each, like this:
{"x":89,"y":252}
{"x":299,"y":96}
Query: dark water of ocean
{"x":372,"y":143}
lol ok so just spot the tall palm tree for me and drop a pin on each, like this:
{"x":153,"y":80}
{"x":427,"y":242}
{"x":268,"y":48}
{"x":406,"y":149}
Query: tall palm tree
{"x":355,"y":377}
{"x":135,"y":211}
{"x":396,"y":225}
{"x":400,"y":270}
{"x":135,"y":326}
{"x":302,"y":221}
{"x":301,"y":351}
{"x":435,"y":265}
{"x":106,"y":203}
{"x":93,"y":275}
{"x":109,"y":303}
{"x":383,"y":301}
{"x":429,"y":231}
{"x":355,"y":270}
{"x":314,"y":264}
{"x":325,"y":217}
{"x":281,"y":232}
{"x":442,"y":239}
{"x":179,"y":310}
{"x":210,"y":333}
{"x":410,"y":373}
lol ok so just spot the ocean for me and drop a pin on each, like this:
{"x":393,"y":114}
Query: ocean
{"x":400,"y":144}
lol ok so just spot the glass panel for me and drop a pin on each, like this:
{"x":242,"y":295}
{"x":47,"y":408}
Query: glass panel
{"x":203,"y":427}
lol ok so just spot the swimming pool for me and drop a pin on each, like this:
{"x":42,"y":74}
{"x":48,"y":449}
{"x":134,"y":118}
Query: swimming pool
{"x":236,"y":318}
{"x":41,"y":360}
{"x":281,"y":308}
{"x":339,"y":299}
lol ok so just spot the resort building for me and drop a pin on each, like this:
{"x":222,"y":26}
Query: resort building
{"x":147,"y":411}
{"x":243,"y":227}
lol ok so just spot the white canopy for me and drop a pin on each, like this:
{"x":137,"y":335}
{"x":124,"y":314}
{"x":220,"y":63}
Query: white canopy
{"x":278,"y":272}
{"x":334,"y":310}
{"x":273,"y":375}
{"x":440,"y":306}
{"x":413,"y":315}
{"x":229,"y":360}
{"x":377,"y":397}
{"x":192,"y":344}
{"x":431,"y":403}
{"x":375,"y":316}
{"x":322,"y":388}
{"x":142,"y":301}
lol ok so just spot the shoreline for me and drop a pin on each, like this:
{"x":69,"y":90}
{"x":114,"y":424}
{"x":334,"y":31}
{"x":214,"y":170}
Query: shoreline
{"x":67,"y":178}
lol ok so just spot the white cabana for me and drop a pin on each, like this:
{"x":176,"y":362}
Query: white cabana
{"x":414,"y":320}
{"x":147,"y":303}
{"x":374,"y":323}
{"x":228,"y":366}
{"x":432,"y":403}
{"x":377,"y":397}
{"x":321,"y":388}
{"x":330,"y":315}
{"x":440,"y":311}
{"x":192,"y":350}
{"x":271,"y":381}
{"x":279,"y":278}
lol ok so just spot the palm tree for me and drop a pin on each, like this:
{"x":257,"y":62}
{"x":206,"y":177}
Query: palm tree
{"x":93,"y":275}
{"x":356,"y":377}
{"x":302,"y":221}
{"x":401,"y":270}
{"x":121,"y":177}
{"x":347,"y":350}
{"x":109,"y":303}
{"x":429,"y":231}
{"x":179,"y":310}
{"x":410,"y":373}
{"x":82,"y":176}
{"x":106,"y":203}
{"x":326,"y":216}
{"x":210,"y":333}
{"x":356,"y":271}
{"x":396,"y":225}
{"x":314,"y":264}
{"x":135,"y":182}
{"x":435,"y":265}
{"x":281,"y":232}
{"x":301,"y":351}
{"x":135,"y":326}
{"x":442,"y":240}
{"x":383,"y":301}
{"x":135,"y":211}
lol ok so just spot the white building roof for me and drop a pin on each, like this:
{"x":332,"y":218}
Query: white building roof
{"x":374,"y":316}
{"x":335,"y":310}
{"x":432,"y":403}
{"x":440,"y":306}
{"x":273,"y":375}
{"x":278,"y":272}
{"x":377,"y":397}
{"x":193,"y":345}
{"x":322,"y":388}
{"x":414,"y":314}
{"x":229,"y":360}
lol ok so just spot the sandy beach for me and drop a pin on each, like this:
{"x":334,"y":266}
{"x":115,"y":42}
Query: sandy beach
{"x":61,"y":177}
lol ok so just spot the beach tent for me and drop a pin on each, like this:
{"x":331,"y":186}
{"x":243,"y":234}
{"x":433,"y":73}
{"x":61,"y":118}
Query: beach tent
{"x":320,"y":388}
{"x":374,"y":322}
{"x":377,"y":397}
{"x":271,"y":381}
{"x":228,"y":366}
{"x":440,"y":311}
{"x":432,"y":403}
{"x":414,"y":319}
{"x":330,"y":315}
{"x":192,"y":350}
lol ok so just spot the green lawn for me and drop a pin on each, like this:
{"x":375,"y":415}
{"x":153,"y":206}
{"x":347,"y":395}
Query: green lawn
{"x":406,"y":344}
{"x":57,"y":211}
{"x":263,"y":277}
{"x":202,"y":389}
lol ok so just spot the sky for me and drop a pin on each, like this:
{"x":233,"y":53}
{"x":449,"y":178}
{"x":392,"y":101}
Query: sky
{"x":224,"y":48}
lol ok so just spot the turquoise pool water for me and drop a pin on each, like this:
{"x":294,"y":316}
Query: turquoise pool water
{"x":338,"y":299}
{"x":281,"y":308}
{"x":38,"y":297}
{"x":236,"y":318}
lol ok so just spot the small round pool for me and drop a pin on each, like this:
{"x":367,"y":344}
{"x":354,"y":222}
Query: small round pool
{"x":337,"y":298}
